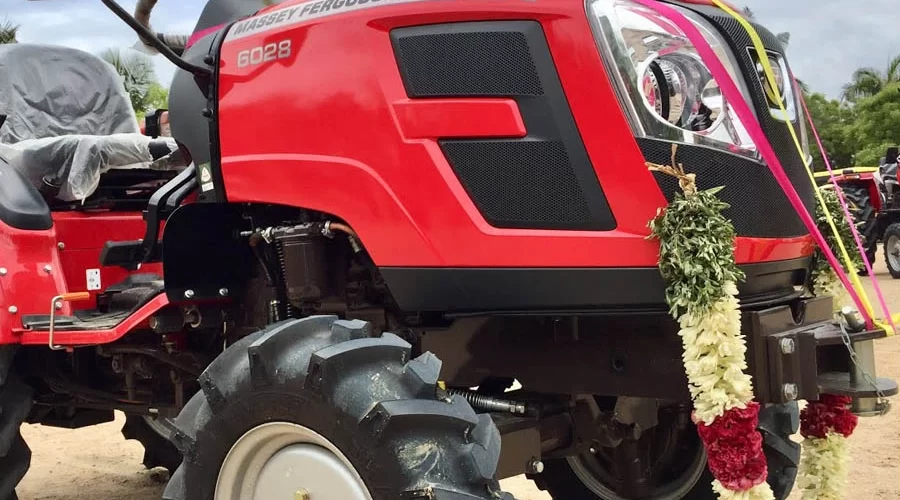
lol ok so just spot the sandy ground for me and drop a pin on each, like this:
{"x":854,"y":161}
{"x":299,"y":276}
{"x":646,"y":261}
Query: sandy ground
{"x":96,"y":462}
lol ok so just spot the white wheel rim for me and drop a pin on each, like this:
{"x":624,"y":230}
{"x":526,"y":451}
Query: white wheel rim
{"x":893,"y":253}
{"x":286,"y":461}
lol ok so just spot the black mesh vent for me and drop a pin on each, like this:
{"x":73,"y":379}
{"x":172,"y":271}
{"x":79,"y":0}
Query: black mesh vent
{"x":775,"y":130}
{"x":759,"y":208}
{"x":518,"y":183}
{"x":543,"y":181}
{"x":468,"y":64}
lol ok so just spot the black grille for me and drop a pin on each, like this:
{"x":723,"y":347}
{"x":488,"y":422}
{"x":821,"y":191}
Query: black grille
{"x":457,"y":64}
{"x":542,"y":181}
{"x":775,"y":130}
{"x":759,"y":207}
{"x":517,"y":183}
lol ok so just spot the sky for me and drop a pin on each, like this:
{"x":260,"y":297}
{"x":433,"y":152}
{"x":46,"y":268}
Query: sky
{"x":829,"y":38}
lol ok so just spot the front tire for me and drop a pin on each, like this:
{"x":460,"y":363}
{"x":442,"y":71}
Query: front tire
{"x":892,"y":249}
{"x":317,"y":398}
{"x":15,"y":404}
{"x":566,"y":479}
{"x":865,"y":215}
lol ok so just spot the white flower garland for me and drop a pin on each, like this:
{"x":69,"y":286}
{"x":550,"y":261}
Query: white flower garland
{"x":759,"y":492}
{"x":697,"y":258}
{"x":823,"y":471}
{"x":714,"y":358}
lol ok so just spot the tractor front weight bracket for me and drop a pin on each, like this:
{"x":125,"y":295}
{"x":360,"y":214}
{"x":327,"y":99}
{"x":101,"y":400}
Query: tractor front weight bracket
{"x":801,"y":351}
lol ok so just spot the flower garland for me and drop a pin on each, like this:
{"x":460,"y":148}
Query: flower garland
{"x":825,"y":426}
{"x":827,"y":423}
{"x":697,"y":261}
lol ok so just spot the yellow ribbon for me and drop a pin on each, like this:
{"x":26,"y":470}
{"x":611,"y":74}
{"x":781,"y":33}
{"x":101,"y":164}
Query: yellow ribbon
{"x":770,"y":78}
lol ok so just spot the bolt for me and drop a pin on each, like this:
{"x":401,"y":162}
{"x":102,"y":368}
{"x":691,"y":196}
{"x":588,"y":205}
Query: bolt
{"x":301,"y":495}
{"x":13,"y":309}
{"x":57,"y":305}
{"x":61,"y":245}
{"x":189,"y":294}
{"x":48,"y":269}
{"x":790,"y":391}
{"x":3,"y":271}
{"x":535,"y":466}
{"x":223,"y":292}
{"x":787,"y":346}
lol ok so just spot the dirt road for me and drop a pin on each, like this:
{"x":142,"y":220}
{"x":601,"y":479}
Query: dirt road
{"x":96,"y":462}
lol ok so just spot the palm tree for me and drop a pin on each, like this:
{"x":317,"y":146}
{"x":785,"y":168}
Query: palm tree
{"x":8,"y":32}
{"x":867,"y":82}
{"x":137,"y":74}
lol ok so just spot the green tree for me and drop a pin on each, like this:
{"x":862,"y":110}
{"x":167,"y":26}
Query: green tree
{"x":139,"y":78}
{"x":866,"y":82}
{"x":157,"y":98}
{"x":877,"y":124}
{"x":8,"y":32}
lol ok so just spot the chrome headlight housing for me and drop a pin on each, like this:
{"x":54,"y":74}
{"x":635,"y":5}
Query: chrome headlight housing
{"x":661,"y":81}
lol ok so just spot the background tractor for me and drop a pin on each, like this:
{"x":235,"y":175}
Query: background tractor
{"x":371,"y":219}
{"x":874,"y":196}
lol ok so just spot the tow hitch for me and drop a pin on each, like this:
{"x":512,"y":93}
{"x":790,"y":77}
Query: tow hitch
{"x":816,"y":353}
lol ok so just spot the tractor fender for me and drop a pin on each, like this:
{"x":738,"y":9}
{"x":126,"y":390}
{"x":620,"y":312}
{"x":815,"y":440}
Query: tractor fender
{"x":31,"y":275}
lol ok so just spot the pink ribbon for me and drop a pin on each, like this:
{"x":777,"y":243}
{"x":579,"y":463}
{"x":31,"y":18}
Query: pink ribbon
{"x":735,"y":98}
{"x":847,"y":215}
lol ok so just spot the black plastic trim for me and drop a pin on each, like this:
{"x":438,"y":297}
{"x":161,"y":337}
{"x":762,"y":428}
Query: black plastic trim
{"x":527,"y":290}
{"x":758,"y":206}
{"x":193,"y":113}
{"x":545,"y":110}
{"x":218,"y":194}
{"x":21,"y":205}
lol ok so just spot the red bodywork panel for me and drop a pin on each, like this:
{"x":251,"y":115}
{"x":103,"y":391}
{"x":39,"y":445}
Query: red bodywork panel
{"x":29,"y":287}
{"x":348,"y":141}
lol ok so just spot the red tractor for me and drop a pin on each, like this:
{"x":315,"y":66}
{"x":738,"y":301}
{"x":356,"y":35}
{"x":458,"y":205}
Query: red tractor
{"x":874,"y":198}
{"x":396,"y":249}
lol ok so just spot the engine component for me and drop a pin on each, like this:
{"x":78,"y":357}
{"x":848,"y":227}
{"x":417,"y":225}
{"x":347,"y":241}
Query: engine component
{"x":490,"y":403}
{"x":297,"y":262}
{"x":304,"y":264}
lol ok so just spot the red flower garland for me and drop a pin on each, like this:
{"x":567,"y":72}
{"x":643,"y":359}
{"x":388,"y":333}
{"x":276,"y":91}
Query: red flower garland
{"x":828,"y":414}
{"x":734,"y":448}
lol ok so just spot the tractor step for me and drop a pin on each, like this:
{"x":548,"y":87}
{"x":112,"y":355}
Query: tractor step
{"x":115,"y":304}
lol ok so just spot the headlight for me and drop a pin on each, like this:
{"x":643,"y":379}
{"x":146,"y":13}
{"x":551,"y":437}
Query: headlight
{"x":662,"y":83}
